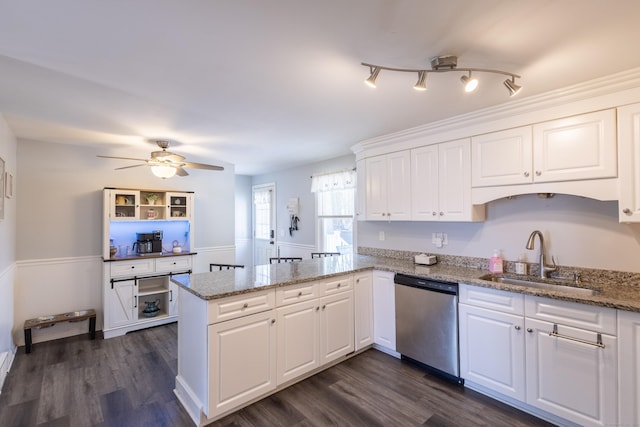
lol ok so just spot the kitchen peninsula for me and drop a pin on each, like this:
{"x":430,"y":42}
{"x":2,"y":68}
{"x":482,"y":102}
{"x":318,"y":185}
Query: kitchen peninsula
{"x":247,"y":333}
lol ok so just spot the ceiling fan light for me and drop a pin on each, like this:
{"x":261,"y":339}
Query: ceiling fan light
{"x":512,"y":86}
{"x":422,"y":81}
{"x":163,"y":171}
{"x":470,"y":84}
{"x":371,"y":81}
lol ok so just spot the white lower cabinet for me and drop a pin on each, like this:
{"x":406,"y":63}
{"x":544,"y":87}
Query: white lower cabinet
{"x":336,"y":326}
{"x":629,"y":368}
{"x":384,"y":310}
{"x":298,"y":340}
{"x":242,"y":361}
{"x":120,"y":304}
{"x":363,"y":305}
{"x":556,"y":356}
{"x":492,"y":350}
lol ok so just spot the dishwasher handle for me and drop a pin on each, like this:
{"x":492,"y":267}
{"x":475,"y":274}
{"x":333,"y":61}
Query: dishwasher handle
{"x":450,"y":288}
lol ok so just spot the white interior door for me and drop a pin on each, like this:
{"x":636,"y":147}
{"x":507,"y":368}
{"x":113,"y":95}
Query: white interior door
{"x":264,"y":220}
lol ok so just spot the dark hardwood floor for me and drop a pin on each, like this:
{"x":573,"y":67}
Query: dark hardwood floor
{"x":129,"y":380}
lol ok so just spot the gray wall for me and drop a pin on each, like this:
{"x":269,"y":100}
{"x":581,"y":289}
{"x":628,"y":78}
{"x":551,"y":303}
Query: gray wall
{"x":296,"y":182}
{"x":60,"y":199}
{"x":8,"y":241}
{"x":580,"y":232}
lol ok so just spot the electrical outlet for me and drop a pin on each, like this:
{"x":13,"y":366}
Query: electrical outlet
{"x":433,"y":238}
{"x":381,"y":236}
{"x":445,"y":240}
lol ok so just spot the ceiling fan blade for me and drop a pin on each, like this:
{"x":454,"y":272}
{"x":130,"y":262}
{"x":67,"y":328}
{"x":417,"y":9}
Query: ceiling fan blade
{"x":202,"y":166}
{"x":122,"y":158}
{"x":129,"y":167}
{"x":180,"y":171}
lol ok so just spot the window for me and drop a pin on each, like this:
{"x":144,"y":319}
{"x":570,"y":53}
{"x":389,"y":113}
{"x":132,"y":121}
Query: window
{"x":335,"y":205}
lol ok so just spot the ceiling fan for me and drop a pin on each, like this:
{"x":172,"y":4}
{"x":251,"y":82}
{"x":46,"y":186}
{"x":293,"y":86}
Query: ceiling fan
{"x":165,"y":164}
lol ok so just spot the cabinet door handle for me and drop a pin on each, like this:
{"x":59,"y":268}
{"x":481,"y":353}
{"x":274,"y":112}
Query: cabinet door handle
{"x":529,"y":330}
{"x":538,"y":173}
{"x":135,"y":304}
{"x":526,"y":174}
{"x":170,"y":295}
{"x":517,"y":327}
{"x":627,"y":211}
{"x":598,"y":342}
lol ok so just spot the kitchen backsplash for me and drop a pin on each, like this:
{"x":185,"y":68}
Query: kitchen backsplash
{"x":563,"y":272}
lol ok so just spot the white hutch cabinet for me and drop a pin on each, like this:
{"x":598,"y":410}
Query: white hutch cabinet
{"x":132,"y":284}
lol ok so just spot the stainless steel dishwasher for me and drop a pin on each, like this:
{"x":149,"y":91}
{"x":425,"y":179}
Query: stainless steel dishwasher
{"x":427,"y":324}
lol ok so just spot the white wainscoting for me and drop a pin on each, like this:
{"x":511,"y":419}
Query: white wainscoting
{"x":295,"y":250}
{"x":53,"y":286}
{"x":244,"y":251}
{"x":217,"y":254}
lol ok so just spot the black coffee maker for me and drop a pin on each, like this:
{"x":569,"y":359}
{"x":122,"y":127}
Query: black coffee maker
{"x":148,"y":243}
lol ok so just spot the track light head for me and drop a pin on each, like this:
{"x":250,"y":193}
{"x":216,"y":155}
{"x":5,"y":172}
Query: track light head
{"x":512,"y":86}
{"x":422,"y":81}
{"x":371,"y":81}
{"x":470,"y":83}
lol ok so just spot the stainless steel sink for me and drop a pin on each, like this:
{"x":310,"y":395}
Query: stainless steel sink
{"x":541,"y":285}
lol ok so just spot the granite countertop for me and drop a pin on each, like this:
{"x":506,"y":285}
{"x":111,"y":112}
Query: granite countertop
{"x":615,"y":291}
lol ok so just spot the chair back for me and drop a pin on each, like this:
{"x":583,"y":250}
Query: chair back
{"x":225,"y":266}
{"x":284,"y":259}
{"x":323,"y":254}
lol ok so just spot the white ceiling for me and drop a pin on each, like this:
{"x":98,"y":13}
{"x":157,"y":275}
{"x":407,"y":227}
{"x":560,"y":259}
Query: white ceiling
{"x":268,"y":85}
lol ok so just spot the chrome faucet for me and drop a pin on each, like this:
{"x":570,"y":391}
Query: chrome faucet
{"x":544,"y":269}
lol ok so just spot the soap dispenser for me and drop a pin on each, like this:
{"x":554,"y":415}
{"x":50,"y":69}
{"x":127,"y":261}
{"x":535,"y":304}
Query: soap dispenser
{"x":495,"y":263}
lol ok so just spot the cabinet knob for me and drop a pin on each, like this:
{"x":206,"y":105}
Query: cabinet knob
{"x":357,"y":280}
{"x":299,"y":294}
{"x":324,"y":306}
{"x":538,"y":173}
{"x":273,"y":321}
{"x":434,"y":213}
{"x":441,"y":213}
{"x":529,"y":330}
{"x":384,"y":214}
{"x":317,"y":308}
{"x":517,"y":327}
{"x":338,"y":284}
{"x":526,"y":174}
{"x":133,"y":266}
{"x":627,"y":211}
{"x":245,"y":305}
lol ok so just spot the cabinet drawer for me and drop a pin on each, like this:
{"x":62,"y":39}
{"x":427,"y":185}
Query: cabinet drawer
{"x":173,"y":264}
{"x":240,"y":305}
{"x":132,"y":268}
{"x":296,"y":293}
{"x":335,"y":285}
{"x":598,"y":319}
{"x":493,"y":299}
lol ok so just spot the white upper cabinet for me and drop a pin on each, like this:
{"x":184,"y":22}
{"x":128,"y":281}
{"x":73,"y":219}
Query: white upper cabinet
{"x":570,"y":149}
{"x":441,"y":183}
{"x":502,"y":158}
{"x":388,"y":191}
{"x":629,"y":158}
{"x":361,"y":180}
{"x":576,"y":148}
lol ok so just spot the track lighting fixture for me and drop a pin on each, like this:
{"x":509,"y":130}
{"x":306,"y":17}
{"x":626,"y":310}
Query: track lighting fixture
{"x":422,"y":81}
{"x":512,"y":86}
{"x":443,"y":64}
{"x":470,"y":84}
{"x":371,"y":81}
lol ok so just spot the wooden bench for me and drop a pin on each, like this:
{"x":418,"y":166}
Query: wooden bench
{"x":47,"y":321}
